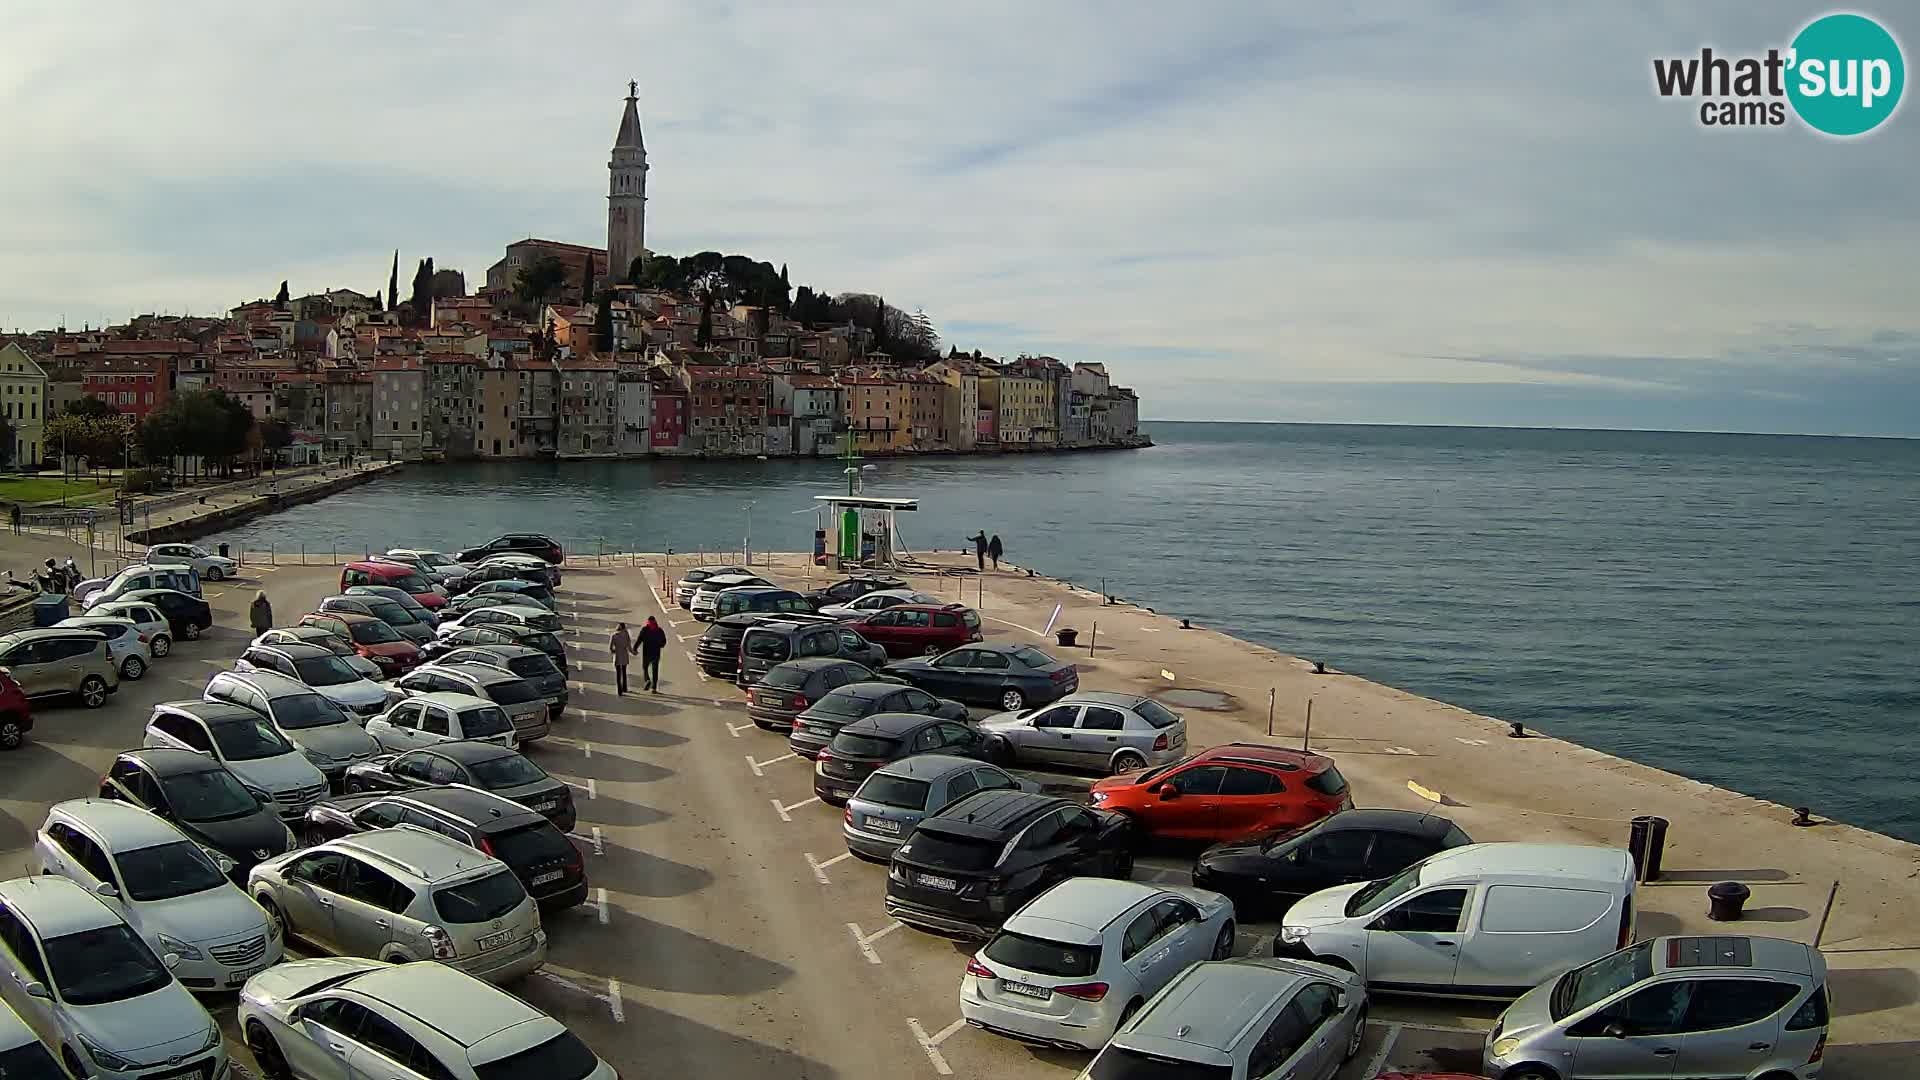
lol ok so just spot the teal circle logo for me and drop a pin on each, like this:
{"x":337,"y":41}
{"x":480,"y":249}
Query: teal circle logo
{"x":1847,"y":74}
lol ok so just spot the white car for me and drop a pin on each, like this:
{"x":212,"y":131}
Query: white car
{"x":317,"y":667}
{"x":164,"y":886}
{"x":435,"y":566}
{"x":22,"y":1054}
{"x":424,"y":719}
{"x":208,"y":565}
{"x":877,"y":601}
{"x":324,"y":732}
{"x":707,"y":594}
{"x":326,"y":639}
{"x":1080,"y":958}
{"x":90,"y":987}
{"x":144,"y":616}
{"x":690,"y":580}
{"x":140,"y":577}
{"x":250,"y":747}
{"x":528,"y":615}
{"x":450,"y":1025}
{"x":127,"y":644}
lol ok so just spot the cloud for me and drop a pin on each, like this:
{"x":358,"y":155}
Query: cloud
{"x":1255,"y":210}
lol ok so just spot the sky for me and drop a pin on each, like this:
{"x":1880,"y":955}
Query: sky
{"x":1465,"y":213}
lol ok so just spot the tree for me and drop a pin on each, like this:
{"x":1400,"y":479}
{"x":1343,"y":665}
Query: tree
{"x":421,"y":300}
{"x":603,"y":323}
{"x":280,"y":298}
{"x":159,"y":436}
{"x":6,"y":442}
{"x":393,"y":282}
{"x":637,"y":270}
{"x":784,"y":305}
{"x":709,"y":288}
{"x":91,"y":406}
{"x":66,"y":435}
{"x":541,"y":279}
{"x":449,"y":283}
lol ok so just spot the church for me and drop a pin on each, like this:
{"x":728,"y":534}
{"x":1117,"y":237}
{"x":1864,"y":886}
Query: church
{"x":589,"y":268}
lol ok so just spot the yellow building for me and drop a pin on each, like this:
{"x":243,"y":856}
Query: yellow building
{"x":879,"y":413}
{"x":1022,"y":407}
{"x":23,"y":401}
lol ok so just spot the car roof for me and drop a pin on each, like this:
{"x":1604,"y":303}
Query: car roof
{"x":54,"y":906}
{"x":994,"y":813}
{"x":1101,"y":697}
{"x":1732,"y":951}
{"x":523,"y":609}
{"x":142,"y":594}
{"x":271,"y":683}
{"x":348,"y":617}
{"x":816,"y":663}
{"x":1601,"y":866}
{"x":480,"y":673}
{"x":471,"y":804}
{"x":450,"y":700}
{"x":1082,"y":906}
{"x":119,"y":826}
{"x":466,"y":751}
{"x":81,"y":622}
{"x":213,"y":712}
{"x":891,"y":723}
{"x":1211,"y":1004}
{"x":46,"y":633}
{"x":507,"y":652}
{"x":865,"y":691}
{"x":166,"y":761}
{"x":1262,"y":754}
{"x":295,"y":652}
{"x":928,"y":766}
{"x":429,"y":854}
{"x":752,"y":590}
{"x":926,"y":607}
{"x":451,"y":1002}
{"x":1410,"y":822}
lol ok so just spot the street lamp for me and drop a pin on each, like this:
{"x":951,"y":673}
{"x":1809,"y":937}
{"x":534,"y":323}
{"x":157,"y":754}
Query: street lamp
{"x":746,"y":547}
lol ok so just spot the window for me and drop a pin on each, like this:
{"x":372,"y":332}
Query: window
{"x":434,"y":721}
{"x":927,"y":739}
{"x":1140,"y":933}
{"x":959,"y":785}
{"x":442,"y":771}
{"x":1659,"y":1009}
{"x":1729,"y":1003}
{"x":19,"y":941}
{"x":1043,"y":833}
{"x":1201,"y":780}
{"x":1282,"y":1039}
{"x":415,"y":766}
{"x":1436,"y":912}
{"x":323,"y":870}
{"x":994,"y":779}
{"x":1100,"y":718}
{"x":1812,"y":1012}
{"x":1239,"y":781}
{"x":1344,"y":848}
{"x":1060,"y":717}
{"x":405,"y":716}
{"x":380,"y":815}
{"x":1395,"y":851}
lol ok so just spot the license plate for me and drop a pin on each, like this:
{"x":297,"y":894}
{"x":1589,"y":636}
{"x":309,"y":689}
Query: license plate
{"x":240,"y":977}
{"x":816,"y":729}
{"x":880,"y":824}
{"x":547,"y":804}
{"x":494,"y":941}
{"x":1026,"y":989}
{"x":933,"y":882}
{"x":551,"y":875}
{"x":190,"y":1072}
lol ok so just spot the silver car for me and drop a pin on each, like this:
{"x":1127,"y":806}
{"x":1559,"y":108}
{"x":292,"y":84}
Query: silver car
{"x":403,"y":621}
{"x":1098,"y":732}
{"x":522,"y":614}
{"x":325,"y":639}
{"x":893,"y":798}
{"x":323,"y":731}
{"x":1681,"y":1006}
{"x":247,"y":744}
{"x":525,"y":706}
{"x":1068,"y":967}
{"x":205,"y":563}
{"x":127,"y":644}
{"x":318,"y":668}
{"x":691,"y":579}
{"x":1246,"y":1019}
{"x":440,"y":716}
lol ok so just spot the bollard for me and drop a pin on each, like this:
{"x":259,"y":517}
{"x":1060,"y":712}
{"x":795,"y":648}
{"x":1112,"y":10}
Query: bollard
{"x":1065,"y":636}
{"x":1825,"y":914}
{"x":1271,"y":694}
{"x":1093,"y":637}
{"x":1307,"y":735}
{"x":1726,"y":900}
{"x":1646,"y":841}
{"x":1185,"y":625}
{"x":1319,"y":667}
{"x":1516,"y":730}
{"x":1803,"y":816}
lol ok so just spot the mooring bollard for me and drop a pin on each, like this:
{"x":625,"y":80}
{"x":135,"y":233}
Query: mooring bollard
{"x":1093,"y":637}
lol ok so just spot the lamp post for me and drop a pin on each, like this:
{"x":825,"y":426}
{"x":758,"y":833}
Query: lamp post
{"x":747,"y":545}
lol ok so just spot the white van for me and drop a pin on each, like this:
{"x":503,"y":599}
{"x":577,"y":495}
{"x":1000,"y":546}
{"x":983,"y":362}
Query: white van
{"x":1486,"y":919}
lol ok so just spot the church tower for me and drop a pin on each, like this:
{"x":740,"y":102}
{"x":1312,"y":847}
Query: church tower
{"x":627,"y":192}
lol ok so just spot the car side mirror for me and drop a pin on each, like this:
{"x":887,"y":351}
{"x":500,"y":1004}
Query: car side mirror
{"x":1168,"y":793}
{"x":1615,"y":1030}
{"x":38,"y":989}
{"x":106,"y":889}
{"x":1339,"y":1002}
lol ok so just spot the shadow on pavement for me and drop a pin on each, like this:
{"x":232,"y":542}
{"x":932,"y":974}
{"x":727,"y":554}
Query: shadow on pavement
{"x":1858,"y":991}
{"x":608,"y":811}
{"x":674,"y":960}
{"x":598,"y":730}
{"x":636,"y":873}
{"x":606,"y":767}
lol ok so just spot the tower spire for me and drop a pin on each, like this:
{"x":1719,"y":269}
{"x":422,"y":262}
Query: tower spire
{"x":627,"y":192}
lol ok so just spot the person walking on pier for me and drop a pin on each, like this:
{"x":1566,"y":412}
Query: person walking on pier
{"x":653,"y":641}
{"x":260,"y":613}
{"x":980,"y":548}
{"x":994,"y":550}
{"x":622,"y":649}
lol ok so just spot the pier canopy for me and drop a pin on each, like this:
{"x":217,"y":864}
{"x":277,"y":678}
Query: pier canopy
{"x":863,"y":530}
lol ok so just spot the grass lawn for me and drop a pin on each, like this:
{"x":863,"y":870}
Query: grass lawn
{"x":32,"y":489}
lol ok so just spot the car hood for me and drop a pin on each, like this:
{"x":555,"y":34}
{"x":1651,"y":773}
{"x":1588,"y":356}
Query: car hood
{"x":278,"y":773}
{"x":338,"y":741}
{"x":280,"y":982}
{"x":393,"y":648}
{"x":243,"y":836}
{"x":1324,"y":908}
{"x":129,"y":1026}
{"x":213,"y":915}
{"x":1530,"y":1012}
{"x":363,"y":692}
{"x":364,"y":668}
{"x":1005,"y":721}
{"x":914,"y":665}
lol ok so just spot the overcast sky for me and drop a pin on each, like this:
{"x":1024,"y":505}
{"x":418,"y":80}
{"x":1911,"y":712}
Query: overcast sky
{"x":1475,"y":213}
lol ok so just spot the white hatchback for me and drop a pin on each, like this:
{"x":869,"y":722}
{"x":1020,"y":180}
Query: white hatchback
{"x":127,"y":644}
{"x":878,"y":601}
{"x":143,"y":615}
{"x":208,"y":565}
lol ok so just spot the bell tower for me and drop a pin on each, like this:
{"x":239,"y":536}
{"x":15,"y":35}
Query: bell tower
{"x":627,"y":191}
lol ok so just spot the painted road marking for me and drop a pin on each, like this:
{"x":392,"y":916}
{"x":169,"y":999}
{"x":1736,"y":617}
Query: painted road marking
{"x":820,"y":868}
{"x":600,"y":905}
{"x":593,"y":792}
{"x":688,"y":637}
{"x":1015,"y":625}
{"x":735,"y":729}
{"x":1386,"y":1047}
{"x":784,"y":810}
{"x":599,"y":842}
{"x":757,"y":766}
{"x":612,"y":998}
{"x":1469,"y":742}
{"x":587,"y":748}
{"x":1403,"y":751}
{"x":931,"y":1043}
{"x":865,"y":942}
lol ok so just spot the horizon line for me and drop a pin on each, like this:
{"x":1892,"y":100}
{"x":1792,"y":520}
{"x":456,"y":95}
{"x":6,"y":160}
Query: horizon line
{"x":1535,"y":427}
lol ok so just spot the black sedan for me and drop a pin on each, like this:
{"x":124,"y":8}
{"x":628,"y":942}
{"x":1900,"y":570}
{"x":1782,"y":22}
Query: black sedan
{"x":486,"y":766}
{"x":815,"y":728}
{"x":853,"y":588}
{"x":498,"y":634}
{"x":515,"y":543}
{"x":202,"y":799}
{"x":1271,"y":872}
{"x":865,"y":745}
{"x":187,"y":615}
{"x":1002,"y":676}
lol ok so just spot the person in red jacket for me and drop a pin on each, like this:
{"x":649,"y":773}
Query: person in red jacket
{"x":653,"y":640}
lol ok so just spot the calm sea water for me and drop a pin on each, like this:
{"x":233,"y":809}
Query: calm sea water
{"x":1741,"y":609}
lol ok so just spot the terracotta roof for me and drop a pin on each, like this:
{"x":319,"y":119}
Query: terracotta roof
{"x":802,"y":381}
{"x":396,"y":363}
{"x":589,"y":362}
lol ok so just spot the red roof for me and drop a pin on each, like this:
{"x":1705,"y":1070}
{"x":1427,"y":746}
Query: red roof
{"x":397,"y":363}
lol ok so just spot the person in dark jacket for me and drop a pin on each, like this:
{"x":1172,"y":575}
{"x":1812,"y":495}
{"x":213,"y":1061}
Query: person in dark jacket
{"x":980,"y":548}
{"x":622,"y":649}
{"x":994,"y":550}
{"x":260,"y":614}
{"x":653,"y":640}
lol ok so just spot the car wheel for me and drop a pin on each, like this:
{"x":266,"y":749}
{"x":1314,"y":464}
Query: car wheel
{"x":999,"y":751}
{"x":932,"y":650}
{"x":1012,"y":700}
{"x":214,"y":573}
{"x":1128,"y":761}
{"x":133,"y":668}
{"x":93,"y":691}
{"x":1126,"y":1014}
{"x":274,"y":915}
{"x":1223,"y":945}
{"x":273,"y":1063}
{"x":191,"y":631}
{"x":162,"y":645}
{"x":1359,"y":1036}
{"x":1123,"y":864}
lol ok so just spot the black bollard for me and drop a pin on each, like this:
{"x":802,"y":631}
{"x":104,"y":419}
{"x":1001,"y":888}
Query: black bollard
{"x":1726,"y":900}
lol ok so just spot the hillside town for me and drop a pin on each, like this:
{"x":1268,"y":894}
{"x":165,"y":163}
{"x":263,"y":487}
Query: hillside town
{"x":571,"y":352}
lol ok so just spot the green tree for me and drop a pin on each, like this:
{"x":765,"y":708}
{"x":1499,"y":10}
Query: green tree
{"x":421,"y":299}
{"x":784,"y":304}
{"x":603,"y":323}
{"x":6,"y":442}
{"x":280,"y":298}
{"x":159,"y":435}
{"x":541,"y":279}
{"x":710,"y":288}
{"x":91,"y":406}
{"x":393,"y":282}
{"x":66,"y":435}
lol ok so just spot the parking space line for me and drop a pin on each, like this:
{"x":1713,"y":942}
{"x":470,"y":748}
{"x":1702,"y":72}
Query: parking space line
{"x":593,"y":792}
{"x":931,"y":1043}
{"x":587,"y":748}
{"x":688,"y":637}
{"x":599,"y":842}
{"x":757,"y":766}
{"x":865,"y":942}
{"x":1379,"y":1060}
{"x":735,"y":729}
{"x":600,"y":904}
{"x":783,"y":810}
{"x":820,"y":868}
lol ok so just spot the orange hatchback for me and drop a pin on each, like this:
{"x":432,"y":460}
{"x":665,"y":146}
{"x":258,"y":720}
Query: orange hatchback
{"x":1228,"y":792}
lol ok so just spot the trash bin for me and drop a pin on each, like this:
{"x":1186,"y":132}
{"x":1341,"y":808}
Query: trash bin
{"x":223,"y":550}
{"x":1647,"y":839}
{"x":1065,"y":635}
{"x":48,"y":609}
{"x":1726,"y":900}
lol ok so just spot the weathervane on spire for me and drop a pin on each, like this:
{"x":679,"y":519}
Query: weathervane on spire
{"x":633,"y":89}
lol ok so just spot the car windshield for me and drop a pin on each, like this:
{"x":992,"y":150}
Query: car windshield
{"x":530,"y":844}
{"x":1375,"y":895}
{"x":1120,"y":1063}
{"x":29,"y":1061}
{"x":410,"y":583}
{"x":563,"y":1057}
{"x":768,"y":646}
{"x":1032,"y":657}
{"x":931,"y":847}
{"x":1155,"y":713}
{"x":324,"y":671}
{"x":168,"y":870}
{"x":899,"y":792}
{"x":390,"y":612}
{"x":297,"y":712}
{"x":864,"y":746}
{"x":512,"y":692}
{"x":1150,"y":775}
{"x":532,"y":667}
{"x":481,"y":723}
{"x":507,"y":770}
{"x":1328,"y":781}
{"x":543,"y":641}
{"x":249,"y":739}
{"x":784,"y":677}
{"x":330,"y":643}
{"x":1590,"y":985}
{"x":110,"y":963}
{"x":208,"y":795}
{"x":479,"y":900}
{"x":1043,"y":957}
{"x":372,"y":632}
{"x":839,"y":704}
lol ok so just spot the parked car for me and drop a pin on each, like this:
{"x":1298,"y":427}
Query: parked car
{"x":1099,"y":732}
{"x":523,"y":591}
{"x":270,"y":767}
{"x":866,"y":744}
{"x":145,"y":616}
{"x":536,"y":667}
{"x":548,"y":572}
{"x":500,"y":634}
{"x":791,"y":688}
{"x":76,"y":972}
{"x":879,"y":600}
{"x":426,"y":718}
{"x":1486,"y":919}
{"x":1246,"y":1019}
{"x":538,"y":618}
{"x":55,"y":662}
{"x":139,"y":577}
{"x":405,"y":894}
{"x":164,"y":886}
{"x":433,"y":565}
{"x":126,"y":645}
{"x":707,"y":594}
{"x":325,"y":639}
{"x":373,"y":640}
{"x":323,"y":731}
{"x":535,"y":575}
{"x":977,"y":861}
{"x":1353,"y":845}
{"x":1009,"y":677}
{"x":531,"y":543}
{"x":393,"y":575}
{"x":320,"y":670}
{"x":209,"y":566}
{"x":466,"y":602}
{"x":1698,"y":1006}
{"x":483,"y":765}
{"x":420,"y":612}
{"x":22,"y":1054}
{"x":1228,"y":792}
{"x":689,"y":580}
{"x":187,"y":615}
{"x":718,"y":649}
{"x":525,"y":707}
{"x":853,"y":588}
{"x":399,"y":618}
{"x":919,"y":629}
{"x":776,"y":641}
{"x":1067,"y":968}
{"x":445,"y":1023}
{"x":758,"y":598}
{"x":893,"y":798}
{"x":538,"y":853}
{"x":816,"y":727}
{"x":203,"y":799}
{"x":16,"y":713}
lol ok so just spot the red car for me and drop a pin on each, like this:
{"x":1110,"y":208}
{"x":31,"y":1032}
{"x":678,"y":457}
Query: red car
{"x":16,"y":716}
{"x":370,"y":638}
{"x":1228,"y":793}
{"x":919,"y":629}
{"x":396,"y":575}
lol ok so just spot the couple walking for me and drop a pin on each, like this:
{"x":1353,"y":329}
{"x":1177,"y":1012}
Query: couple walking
{"x":652,"y":640}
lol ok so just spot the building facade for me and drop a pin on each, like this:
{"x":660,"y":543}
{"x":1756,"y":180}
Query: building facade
{"x":23,"y":397}
{"x":729,"y":409}
{"x":819,"y":413}
{"x":399,"y":406}
{"x":627,"y":192}
{"x":589,"y":406}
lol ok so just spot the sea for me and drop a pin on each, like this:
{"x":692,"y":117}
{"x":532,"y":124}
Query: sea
{"x":1740,"y":609}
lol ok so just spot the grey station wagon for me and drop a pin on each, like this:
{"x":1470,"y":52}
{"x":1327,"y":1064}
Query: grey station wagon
{"x":893,"y":798}
{"x":815,"y":728}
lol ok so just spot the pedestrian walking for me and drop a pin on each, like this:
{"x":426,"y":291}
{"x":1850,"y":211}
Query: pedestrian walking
{"x":622,"y":649}
{"x":260,"y":613}
{"x":979,"y":540}
{"x":994,"y":550}
{"x":653,"y":641}
{"x":13,"y":512}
